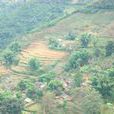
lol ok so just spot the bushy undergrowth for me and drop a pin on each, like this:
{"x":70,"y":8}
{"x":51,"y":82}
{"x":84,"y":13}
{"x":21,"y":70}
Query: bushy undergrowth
{"x":70,"y":36}
{"x":54,"y":43}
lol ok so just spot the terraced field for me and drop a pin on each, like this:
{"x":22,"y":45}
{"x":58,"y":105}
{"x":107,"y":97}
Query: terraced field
{"x":37,"y":49}
{"x":3,"y":70}
{"x":40,"y":50}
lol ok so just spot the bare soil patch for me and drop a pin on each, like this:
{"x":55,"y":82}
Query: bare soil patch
{"x":3,"y":70}
{"x":110,"y":29}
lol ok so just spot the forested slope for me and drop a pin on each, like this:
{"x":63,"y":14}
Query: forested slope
{"x":18,"y":19}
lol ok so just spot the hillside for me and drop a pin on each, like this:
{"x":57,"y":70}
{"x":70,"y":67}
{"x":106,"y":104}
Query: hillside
{"x":19,"y":19}
{"x":57,"y":57}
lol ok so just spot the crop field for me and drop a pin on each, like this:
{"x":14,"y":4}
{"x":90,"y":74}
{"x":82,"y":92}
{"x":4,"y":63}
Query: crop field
{"x":40,"y":50}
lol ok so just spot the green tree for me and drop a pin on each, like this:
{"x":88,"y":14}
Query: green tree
{"x":70,"y":36}
{"x":104,"y":84}
{"x":54,"y":43}
{"x":10,"y":59}
{"x":25,"y":84}
{"x":67,"y":107}
{"x":111,"y":72}
{"x":10,"y":105}
{"x":78,"y":79}
{"x":84,"y":57}
{"x":87,"y":100}
{"x":5,"y":95}
{"x":47,"y":77}
{"x":34,"y":93}
{"x":73,"y":62}
{"x":97,"y":52}
{"x":85,"y":39}
{"x":15,"y":47}
{"x":109,"y":48}
{"x":56,"y":86}
{"x":48,"y":103}
{"x":33,"y":64}
{"x":77,"y":59}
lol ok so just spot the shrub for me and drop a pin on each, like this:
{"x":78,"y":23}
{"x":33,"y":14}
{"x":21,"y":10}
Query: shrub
{"x":5,"y":95}
{"x":109,"y":48}
{"x":78,"y":79}
{"x":104,"y":84}
{"x":111,"y":72}
{"x":24,"y":85}
{"x":10,"y":59}
{"x":84,"y":57}
{"x":70,"y":36}
{"x":33,"y":64}
{"x":47,"y":77}
{"x":97,"y":52}
{"x":89,"y":99}
{"x":73,"y":62}
{"x":95,"y":41}
{"x":85,"y":39}
{"x":77,"y":59}
{"x":16,"y":61}
{"x":34,"y":93}
{"x":15,"y":47}
{"x":11,"y":106}
{"x":54,"y":44}
{"x":55,"y":85}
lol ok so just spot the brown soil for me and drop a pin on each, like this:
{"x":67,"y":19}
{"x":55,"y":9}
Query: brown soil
{"x":110,"y":29}
{"x":40,"y":50}
{"x":3,"y":70}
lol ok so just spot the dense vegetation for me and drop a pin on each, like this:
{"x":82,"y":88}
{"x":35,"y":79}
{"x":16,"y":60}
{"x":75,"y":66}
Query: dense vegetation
{"x":18,"y":19}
